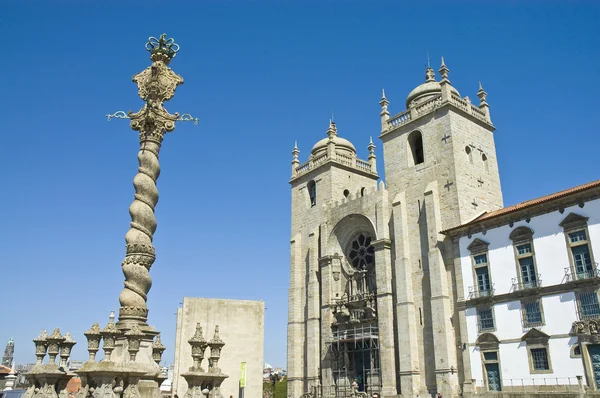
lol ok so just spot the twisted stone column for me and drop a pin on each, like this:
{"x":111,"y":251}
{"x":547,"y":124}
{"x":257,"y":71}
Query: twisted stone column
{"x":156,"y":84}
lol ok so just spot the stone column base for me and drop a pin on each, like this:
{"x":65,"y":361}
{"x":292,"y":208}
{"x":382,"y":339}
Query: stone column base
{"x":410,"y":384}
{"x":447,"y":383}
{"x":388,"y":391}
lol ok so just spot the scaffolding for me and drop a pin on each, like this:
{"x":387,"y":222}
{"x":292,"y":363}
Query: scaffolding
{"x":355,"y":360}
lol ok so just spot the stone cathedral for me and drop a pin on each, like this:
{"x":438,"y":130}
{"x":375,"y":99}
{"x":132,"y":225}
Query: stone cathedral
{"x":372,"y":292}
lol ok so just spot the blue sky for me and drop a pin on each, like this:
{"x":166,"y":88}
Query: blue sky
{"x":259,"y":75}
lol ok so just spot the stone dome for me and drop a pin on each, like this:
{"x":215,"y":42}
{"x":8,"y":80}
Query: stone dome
{"x":342,"y":145}
{"x":426,"y":91}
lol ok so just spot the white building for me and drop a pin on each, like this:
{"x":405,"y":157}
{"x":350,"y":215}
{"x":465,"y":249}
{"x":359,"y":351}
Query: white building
{"x":527,"y":293}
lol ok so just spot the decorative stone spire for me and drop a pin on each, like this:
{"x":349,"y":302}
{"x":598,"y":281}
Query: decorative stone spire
{"x":134,"y":337}
{"x":54,"y":341}
{"x":198,"y":345}
{"x":93,"y":336}
{"x":445,"y":83}
{"x":483,"y":105}
{"x":332,"y":130}
{"x":429,"y":75}
{"x":157,"y":350}
{"x":385,"y":113}
{"x":482,"y":95}
{"x":295,"y":161}
{"x":41,"y":345}
{"x":156,"y":84}
{"x":109,"y":336}
{"x":215,"y":344}
{"x":372,"y":158}
{"x":10,"y":378}
{"x":444,"y":72}
{"x":65,"y":349}
{"x":331,"y":133}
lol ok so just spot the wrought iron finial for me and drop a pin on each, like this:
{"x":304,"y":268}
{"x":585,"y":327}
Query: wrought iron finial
{"x":162,"y":49}
{"x":186,"y":117}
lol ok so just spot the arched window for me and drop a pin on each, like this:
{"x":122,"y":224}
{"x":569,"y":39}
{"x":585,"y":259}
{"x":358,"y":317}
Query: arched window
{"x":346,"y":193}
{"x":361,"y":253}
{"x":469,"y":153}
{"x":485,"y":162}
{"x":362,"y":191}
{"x":415,"y":140}
{"x":312,"y":192}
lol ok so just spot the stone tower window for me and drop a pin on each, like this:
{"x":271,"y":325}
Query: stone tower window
{"x":362,"y":191}
{"x":485,"y":162}
{"x":362,"y":253}
{"x":346,"y":193}
{"x":415,"y":139}
{"x":312,"y":192}
{"x":469,"y":153}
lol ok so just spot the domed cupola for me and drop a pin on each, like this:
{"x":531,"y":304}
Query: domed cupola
{"x":341,"y":145}
{"x":426,"y":91}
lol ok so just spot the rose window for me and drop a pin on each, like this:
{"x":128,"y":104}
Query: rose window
{"x":362,"y":253}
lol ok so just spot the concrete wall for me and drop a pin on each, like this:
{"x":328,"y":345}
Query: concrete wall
{"x":241,"y":327}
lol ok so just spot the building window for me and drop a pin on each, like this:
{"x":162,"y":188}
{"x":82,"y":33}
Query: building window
{"x":588,"y":305}
{"x":580,"y":250}
{"x":532,"y":314}
{"x":491,"y":364}
{"x":362,"y":252}
{"x":486,"y":319}
{"x":362,"y":191}
{"x":415,"y":140}
{"x":539,"y":358}
{"x":346,"y":193}
{"x":312,"y":192}
{"x":528,"y":278}
{"x":578,"y":242}
{"x":481,"y":269}
{"x":485,"y":162}
{"x":469,"y":153}
{"x":537,"y":351}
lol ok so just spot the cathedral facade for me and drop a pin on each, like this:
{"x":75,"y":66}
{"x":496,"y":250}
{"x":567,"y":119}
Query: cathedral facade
{"x":372,"y":286}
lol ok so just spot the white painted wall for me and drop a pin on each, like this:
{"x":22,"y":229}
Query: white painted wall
{"x":549,"y":245}
{"x":560,"y":311}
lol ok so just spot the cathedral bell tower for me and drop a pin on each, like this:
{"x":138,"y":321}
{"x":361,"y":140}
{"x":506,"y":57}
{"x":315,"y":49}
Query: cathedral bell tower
{"x":441,"y":171}
{"x":332,"y":173}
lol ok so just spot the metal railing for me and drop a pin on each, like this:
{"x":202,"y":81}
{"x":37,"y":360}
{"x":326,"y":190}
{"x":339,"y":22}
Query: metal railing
{"x":579,"y":275}
{"x":532,"y":284}
{"x":356,"y":333}
{"x":475,"y":292}
{"x":540,"y":384}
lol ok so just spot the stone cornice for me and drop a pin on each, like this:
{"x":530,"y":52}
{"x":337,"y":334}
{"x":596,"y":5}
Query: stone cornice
{"x":527,"y":293}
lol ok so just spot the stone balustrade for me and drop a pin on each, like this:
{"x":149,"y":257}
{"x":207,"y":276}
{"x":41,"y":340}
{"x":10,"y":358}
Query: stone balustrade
{"x":399,"y":119}
{"x":433,"y":104}
{"x":346,"y":160}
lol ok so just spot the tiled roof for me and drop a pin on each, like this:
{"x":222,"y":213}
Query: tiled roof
{"x":528,"y":203}
{"x":73,"y":385}
{"x":4,"y":370}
